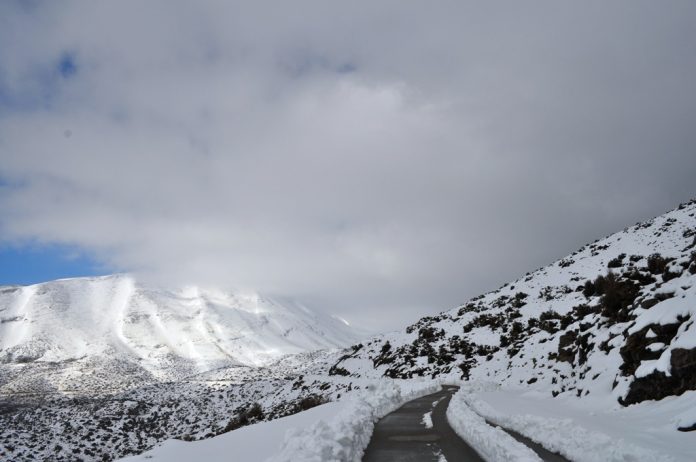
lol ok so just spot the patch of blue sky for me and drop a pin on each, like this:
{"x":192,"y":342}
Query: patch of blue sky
{"x":38,"y":89}
{"x":31,"y":264}
{"x":67,"y":65}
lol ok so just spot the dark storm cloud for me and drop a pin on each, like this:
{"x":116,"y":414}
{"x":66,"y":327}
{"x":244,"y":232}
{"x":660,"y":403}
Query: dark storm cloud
{"x":380,"y":160}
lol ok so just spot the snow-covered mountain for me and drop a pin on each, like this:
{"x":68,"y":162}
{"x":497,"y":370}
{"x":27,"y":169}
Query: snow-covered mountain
{"x":48,"y":330}
{"x":101,"y":368}
{"x":616,"y":318}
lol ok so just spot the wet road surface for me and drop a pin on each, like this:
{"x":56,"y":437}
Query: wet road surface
{"x":402,"y":436}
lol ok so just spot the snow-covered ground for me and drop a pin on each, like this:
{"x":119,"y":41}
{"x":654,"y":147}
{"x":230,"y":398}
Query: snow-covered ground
{"x":256,"y":442}
{"x":107,"y":426}
{"x":581,"y":430}
{"x":492,"y":443}
{"x":591,"y":430}
{"x":338,"y":431}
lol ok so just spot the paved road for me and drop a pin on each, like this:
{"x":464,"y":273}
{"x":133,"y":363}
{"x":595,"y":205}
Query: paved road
{"x":401,"y":436}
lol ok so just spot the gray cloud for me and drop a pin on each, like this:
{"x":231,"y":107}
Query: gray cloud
{"x":379,"y":161}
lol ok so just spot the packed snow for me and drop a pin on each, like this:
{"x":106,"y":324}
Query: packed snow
{"x":428,"y":419}
{"x":591,"y":430}
{"x":492,"y":443}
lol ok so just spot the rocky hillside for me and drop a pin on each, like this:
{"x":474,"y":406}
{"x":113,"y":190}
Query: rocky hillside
{"x":616,"y":317}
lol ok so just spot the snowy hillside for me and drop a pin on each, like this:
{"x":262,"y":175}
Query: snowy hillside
{"x":615,"y":318}
{"x":108,"y":329}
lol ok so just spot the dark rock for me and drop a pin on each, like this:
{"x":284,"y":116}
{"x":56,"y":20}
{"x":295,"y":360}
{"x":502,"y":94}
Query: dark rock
{"x":566,"y":342}
{"x":635,"y":348}
{"x":658,"y":385}
{"x":689,"y":428}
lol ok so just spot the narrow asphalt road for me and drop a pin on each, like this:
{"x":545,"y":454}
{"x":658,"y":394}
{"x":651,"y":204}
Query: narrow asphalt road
{"x":403,"y":436}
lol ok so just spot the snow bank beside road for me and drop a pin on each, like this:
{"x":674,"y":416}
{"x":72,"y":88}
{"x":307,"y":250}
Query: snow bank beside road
{"x":345,"y":436}
{"x":254,"y":443}
{"x":556,"y":427}
{"x":492,"y":443}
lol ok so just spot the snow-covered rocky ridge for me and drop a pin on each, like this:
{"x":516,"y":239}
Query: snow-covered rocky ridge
{"x":616,"y":318}
{"x":99,"y":332}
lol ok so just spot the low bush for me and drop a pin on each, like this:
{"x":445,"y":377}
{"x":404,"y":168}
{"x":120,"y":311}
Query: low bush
{"x":657,"y":263}
{"x":617,"y":296}
{"x":617,"y":262}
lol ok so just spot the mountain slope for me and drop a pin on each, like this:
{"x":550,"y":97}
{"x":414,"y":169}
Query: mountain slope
{"x":134,"y":366}
{"x":615,"y":318}
{"x":78,"y":325}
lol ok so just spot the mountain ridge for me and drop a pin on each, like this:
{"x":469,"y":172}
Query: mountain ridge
{"x":162,"y":333}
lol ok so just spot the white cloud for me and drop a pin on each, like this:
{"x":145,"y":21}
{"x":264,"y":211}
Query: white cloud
{"x":378,"y":160}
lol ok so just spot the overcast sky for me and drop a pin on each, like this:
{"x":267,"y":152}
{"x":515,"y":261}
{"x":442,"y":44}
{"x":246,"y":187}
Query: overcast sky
{"x":377,"y":160}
